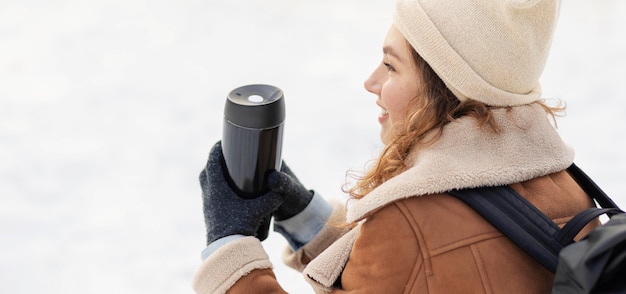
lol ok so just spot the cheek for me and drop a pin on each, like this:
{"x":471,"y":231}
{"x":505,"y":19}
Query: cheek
{"x":396,"y":100}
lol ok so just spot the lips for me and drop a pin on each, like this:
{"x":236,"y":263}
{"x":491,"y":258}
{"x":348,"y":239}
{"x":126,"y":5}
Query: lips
{"x":383,"y":115}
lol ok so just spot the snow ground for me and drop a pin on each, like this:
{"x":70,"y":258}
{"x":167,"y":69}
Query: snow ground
{"x":108,"y":109}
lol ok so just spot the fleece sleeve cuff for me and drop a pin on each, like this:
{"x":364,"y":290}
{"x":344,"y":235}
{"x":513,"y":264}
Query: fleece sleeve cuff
{"x":222,"y":269}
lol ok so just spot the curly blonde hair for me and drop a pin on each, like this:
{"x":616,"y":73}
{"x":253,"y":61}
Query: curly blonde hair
{"x":428,"y":115}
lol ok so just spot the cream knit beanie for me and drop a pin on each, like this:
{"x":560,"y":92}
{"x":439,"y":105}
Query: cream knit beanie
{"x":492,"y":51}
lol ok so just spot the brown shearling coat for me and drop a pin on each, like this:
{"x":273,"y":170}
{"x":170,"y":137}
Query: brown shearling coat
{"x":412,"y":237}
{"x":436,"y":244}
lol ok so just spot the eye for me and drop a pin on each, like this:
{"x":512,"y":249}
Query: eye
{"x":389,"y":66}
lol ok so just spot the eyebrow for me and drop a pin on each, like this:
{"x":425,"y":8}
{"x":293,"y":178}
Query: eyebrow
{"x":391,"y":51}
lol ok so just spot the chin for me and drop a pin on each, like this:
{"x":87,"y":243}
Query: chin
{"x":385,"y":137}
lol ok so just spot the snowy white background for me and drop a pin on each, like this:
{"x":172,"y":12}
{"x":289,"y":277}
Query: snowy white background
{"x":108,"y":110}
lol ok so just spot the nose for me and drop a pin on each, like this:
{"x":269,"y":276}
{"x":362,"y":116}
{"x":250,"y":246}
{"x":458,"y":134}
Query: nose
{"x":373,"y":84}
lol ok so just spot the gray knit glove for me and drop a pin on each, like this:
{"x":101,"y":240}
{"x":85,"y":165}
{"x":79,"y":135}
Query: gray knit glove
{"x":296,"y":197}
{"x":225,"y":213}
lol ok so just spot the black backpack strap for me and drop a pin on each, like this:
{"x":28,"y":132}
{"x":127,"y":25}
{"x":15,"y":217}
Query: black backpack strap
{"x":578,"y":222}
{"x":566,"y":235}
{"x":590,"y":187}
{"x":528,"y":227}
{"x":517,"y":219}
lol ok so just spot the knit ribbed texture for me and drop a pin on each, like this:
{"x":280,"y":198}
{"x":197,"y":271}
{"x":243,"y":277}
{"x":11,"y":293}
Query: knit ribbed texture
{"x":225,"y":213}
{"x":486,"y":50}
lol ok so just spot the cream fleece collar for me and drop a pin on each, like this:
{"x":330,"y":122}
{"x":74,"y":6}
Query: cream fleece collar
{"x":467,"y":156}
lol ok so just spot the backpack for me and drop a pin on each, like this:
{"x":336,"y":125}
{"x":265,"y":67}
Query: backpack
{"x":594,"y":264}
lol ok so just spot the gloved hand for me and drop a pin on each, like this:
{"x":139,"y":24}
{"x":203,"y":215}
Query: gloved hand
{"x":296,"y":197}
{"x":225,"y":213}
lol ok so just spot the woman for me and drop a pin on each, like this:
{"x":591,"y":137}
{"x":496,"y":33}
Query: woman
{"x":460,"y":99}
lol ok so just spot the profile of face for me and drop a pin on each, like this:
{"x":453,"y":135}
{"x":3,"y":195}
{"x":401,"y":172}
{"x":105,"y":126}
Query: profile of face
{"x":396,"y":81}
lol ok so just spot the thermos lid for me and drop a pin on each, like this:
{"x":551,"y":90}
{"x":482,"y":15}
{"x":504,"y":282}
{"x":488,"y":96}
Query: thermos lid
{"x":255,"y":106}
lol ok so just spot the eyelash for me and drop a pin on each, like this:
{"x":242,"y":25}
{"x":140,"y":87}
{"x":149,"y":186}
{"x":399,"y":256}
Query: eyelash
{"x":389,"y":67}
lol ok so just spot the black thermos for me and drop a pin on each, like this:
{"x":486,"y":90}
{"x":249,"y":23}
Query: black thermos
{"x":252,"y":138}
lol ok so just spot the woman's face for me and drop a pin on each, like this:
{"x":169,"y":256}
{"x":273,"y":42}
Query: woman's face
{"x":395,"y":81}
